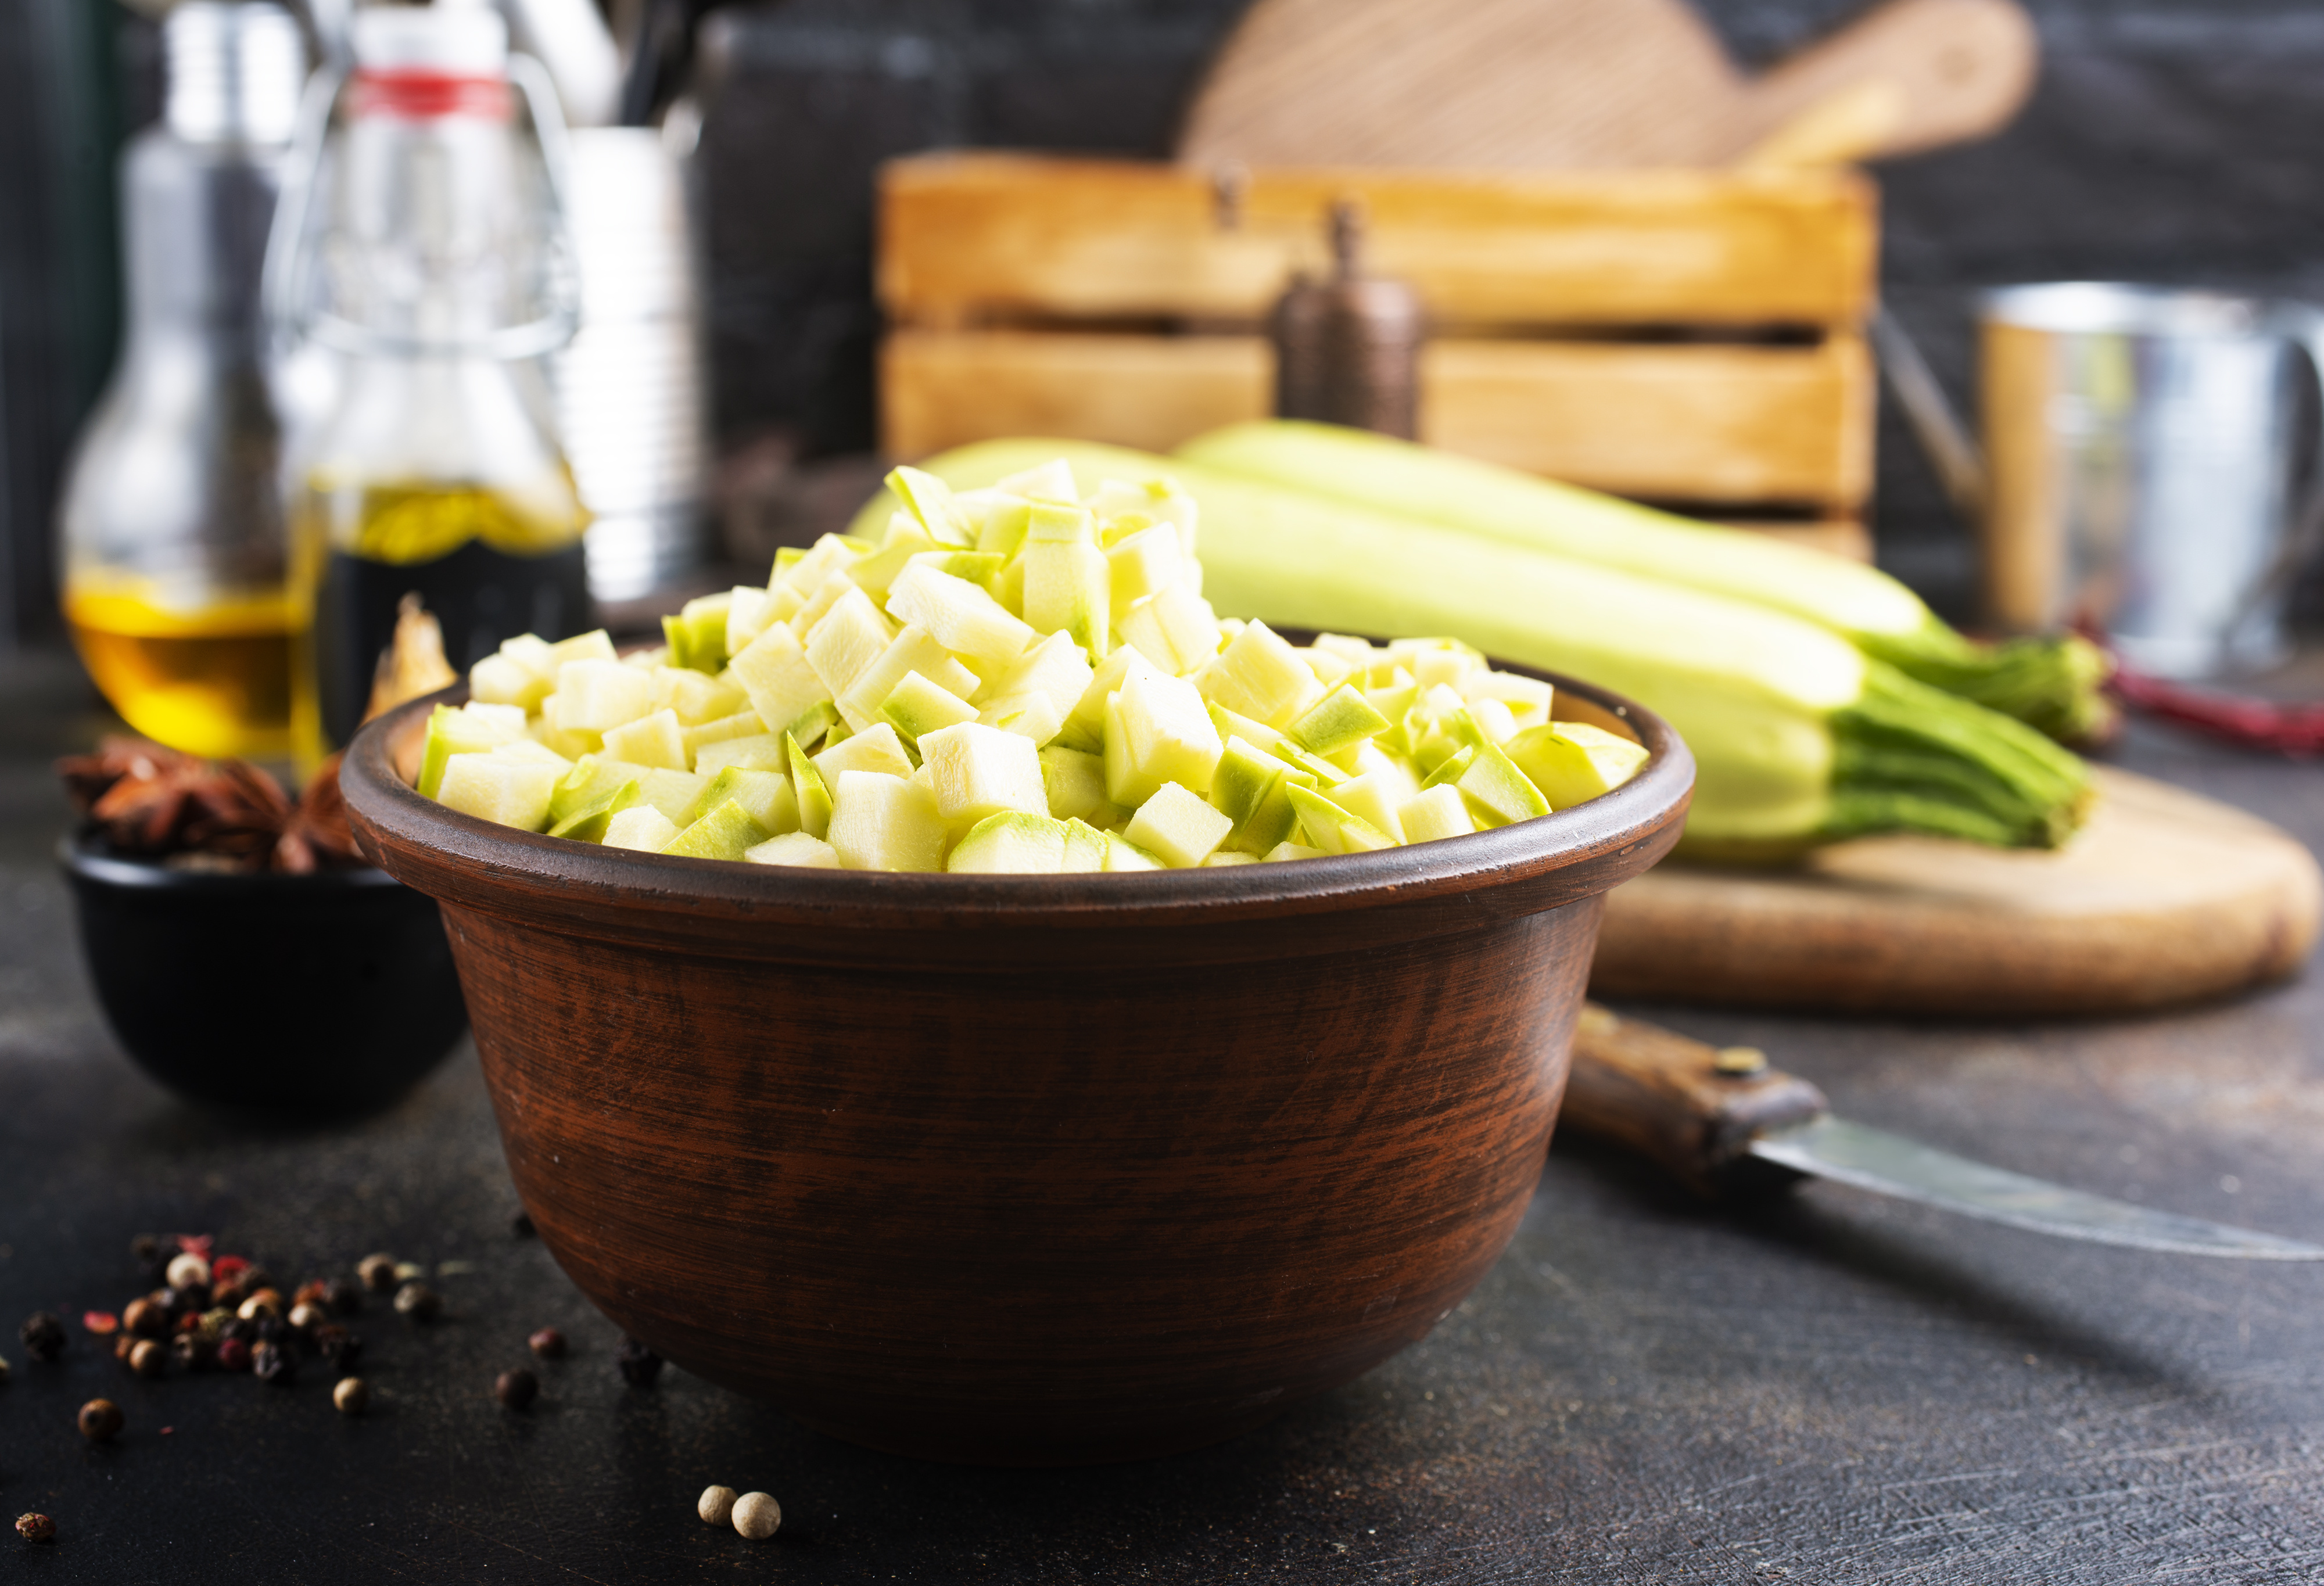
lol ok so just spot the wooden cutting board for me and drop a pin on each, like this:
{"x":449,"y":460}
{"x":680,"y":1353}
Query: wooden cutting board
{"x":1558,"y":84}
{"x":2166,"y":896}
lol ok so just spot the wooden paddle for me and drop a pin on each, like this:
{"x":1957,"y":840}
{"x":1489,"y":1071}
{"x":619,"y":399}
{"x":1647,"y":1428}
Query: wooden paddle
{"x":1550,"y":84}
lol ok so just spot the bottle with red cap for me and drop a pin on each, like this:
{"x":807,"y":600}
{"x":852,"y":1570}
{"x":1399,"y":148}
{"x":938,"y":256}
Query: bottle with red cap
{"x":424,"y":247}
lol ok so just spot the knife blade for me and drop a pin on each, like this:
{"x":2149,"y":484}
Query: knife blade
{"x":1726,"y":1122}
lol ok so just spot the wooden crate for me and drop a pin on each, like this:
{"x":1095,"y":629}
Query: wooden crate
{"x":1691,"y":338}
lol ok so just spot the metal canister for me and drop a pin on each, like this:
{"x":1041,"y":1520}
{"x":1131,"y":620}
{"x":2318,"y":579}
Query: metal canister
{"x":2141,"y":447}
{"x":1347,"y":350}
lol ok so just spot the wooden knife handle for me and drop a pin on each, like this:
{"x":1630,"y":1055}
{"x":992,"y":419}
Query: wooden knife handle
{"x":1693,"y":1108}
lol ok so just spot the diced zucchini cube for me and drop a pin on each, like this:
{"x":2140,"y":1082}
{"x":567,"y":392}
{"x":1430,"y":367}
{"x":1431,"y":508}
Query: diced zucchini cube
{"x":1056,"y":670}
{"x":696,"y":636}
{"x":761,"y":752}
{"x":654,"y":740}
{"x":1374,"y":797}
{"x":1436,"y":812}
{"x":727,"y":832}
{"x":913,"y":650}
{"x":1177,"y":827}
{"x":875,"y":748}
{"x":1086,"y":848}
{"x":807,"y":786}
{"x":1076,"y":784}
{"x":1012,"y":843}
{"x":1527,"y":698}
{"x":742,"y":724}
{"x":747,"y":612}
{"x":498,"y":680}
{"x":845,"y":641}
{"x":594,"y":645}
{"x":1144,"y":562}
{"x":1282,"y":852}
{"x":796,"y":849}
{"x":696,"y":697}
{"x":1342,"y":718}
{"x":1261,"y":676}
{"x":975,"y":772}
{"x":1497,"y":792}
{"x":880,"y":822}
{"x":671,"y":792}
{"x":588,"y":824}
{"x":494,"y":788}
{"x":965,"y":619}
{"x":641,"y":827}
{"x":916,"y":707}
{"x":596,"y":695}
{"x":1226,"y":856}
{"x":1158,"y":730}
{"x":1177,"y":629}
{"x":1052,"y":480}
{"x":1571,"y":761}
{"x":776,"y":676}
{"x":806,"y":571}
{"x":451,"y":731}
{"x":765,"y":796}
{"x":1085,"y":725}
{"x":1068,"y":587}
{"x":1122,"y":855}
{"x":931,"y":501}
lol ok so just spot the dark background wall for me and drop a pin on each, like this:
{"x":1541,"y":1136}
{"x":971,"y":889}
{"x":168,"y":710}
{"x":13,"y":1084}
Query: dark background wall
{"x":2176,"y":140}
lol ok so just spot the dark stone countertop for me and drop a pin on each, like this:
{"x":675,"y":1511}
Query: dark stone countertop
{"x":1831,"y":1388}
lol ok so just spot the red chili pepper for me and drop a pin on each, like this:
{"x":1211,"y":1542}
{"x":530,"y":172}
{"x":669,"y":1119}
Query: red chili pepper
{"x":196,"y":1244}
{"x":101,"y":1323}
{"x":227,"y":1266}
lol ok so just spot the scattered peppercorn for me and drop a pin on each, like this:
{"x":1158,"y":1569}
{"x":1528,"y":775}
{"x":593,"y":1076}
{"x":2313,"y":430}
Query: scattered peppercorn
{"x":307,"y":1317}
{"x":185,"y":1270}
{"x":517,"y":1389}
{"x":43,"y":1333}
{"x":101,"y":1420}
{"x":548,"y":1343}
{"x":520,"y":1225}
{"x":192,"y":1351}
{"x":146,"y":1319}
{"x":36,"y":1527}
{"x":716,"y":1505}
{"x":150,"y":1357}
{"x":341,"y":1298}
{"x":309,"y":1293}
{"x":233,"y":1355}
{"x":270,"y":1363}
{"x":418,"y":1301}
{"x":339,"y":1348}
{"x":638,"y":1365}
{"x":351,"y":1395}
{"x":266,"y":1302}
{"x":377,"y":1272}
{"x":757,"y":1515}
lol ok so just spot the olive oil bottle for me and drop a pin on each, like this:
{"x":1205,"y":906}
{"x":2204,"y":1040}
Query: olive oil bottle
{"x":431,"y":268}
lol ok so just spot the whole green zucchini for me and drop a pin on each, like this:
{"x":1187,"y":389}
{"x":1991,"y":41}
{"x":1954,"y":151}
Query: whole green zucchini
{"x":1798,"y":737}
{"x":2051,"y":684}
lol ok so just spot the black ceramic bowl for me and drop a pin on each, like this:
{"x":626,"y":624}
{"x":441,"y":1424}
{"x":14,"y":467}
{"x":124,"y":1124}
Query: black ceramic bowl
{"x":320,"y":994}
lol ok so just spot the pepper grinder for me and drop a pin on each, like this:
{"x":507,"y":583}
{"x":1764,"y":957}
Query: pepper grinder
{"x":1347,"y":350}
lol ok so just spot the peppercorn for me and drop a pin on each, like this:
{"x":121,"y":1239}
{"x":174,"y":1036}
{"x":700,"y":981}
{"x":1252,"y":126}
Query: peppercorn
{"x":122,"y":1344}
{"x":339,"y":1348}
{"x":272,"y":1330}
{"x":145,"y":1319}
{"x":233,"y":1355}
{"x":638,"y":1365}
{"x":150,"y":1357}
{"x":757,"y":1515}
{"x":235,"y":1327}
{"x":517,"y":1389}
{"x":418,"y":1301}
{"x":185,"y":1270}
{"x":266,"y":1302}
{"x":43,"y":1333}
{"x":548,"y":1343}
{"x":270,"y":1363}
{"x":101,"y":1420}
{"x":309,"y":1293}
{"x":229,"y":1292}
{"x":36,"y":1527}
{"x":520,"y":1225}
{"x":341,"y":1297}
{"x":716,"y":1505}
{"x":192,"y":1299}
{"x":308,"y":1316}
{"x":377,"y":1272}
{"x":351,"y":1395}
{"x":192,"y":1352}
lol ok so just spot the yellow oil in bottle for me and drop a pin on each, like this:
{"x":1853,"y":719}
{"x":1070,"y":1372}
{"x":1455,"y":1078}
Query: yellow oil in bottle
{"x":488,"y":563}
{"x":216,"y":680}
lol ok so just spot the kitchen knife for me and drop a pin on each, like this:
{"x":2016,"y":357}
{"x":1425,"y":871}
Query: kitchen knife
{"x":1725,"y":1120}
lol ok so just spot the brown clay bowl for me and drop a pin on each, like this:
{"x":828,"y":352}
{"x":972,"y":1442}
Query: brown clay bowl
{"x":1026,"y":1169}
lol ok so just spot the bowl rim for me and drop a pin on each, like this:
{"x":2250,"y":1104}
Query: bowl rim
{"x":1580,"y":851}
{"x":83,"y":854}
